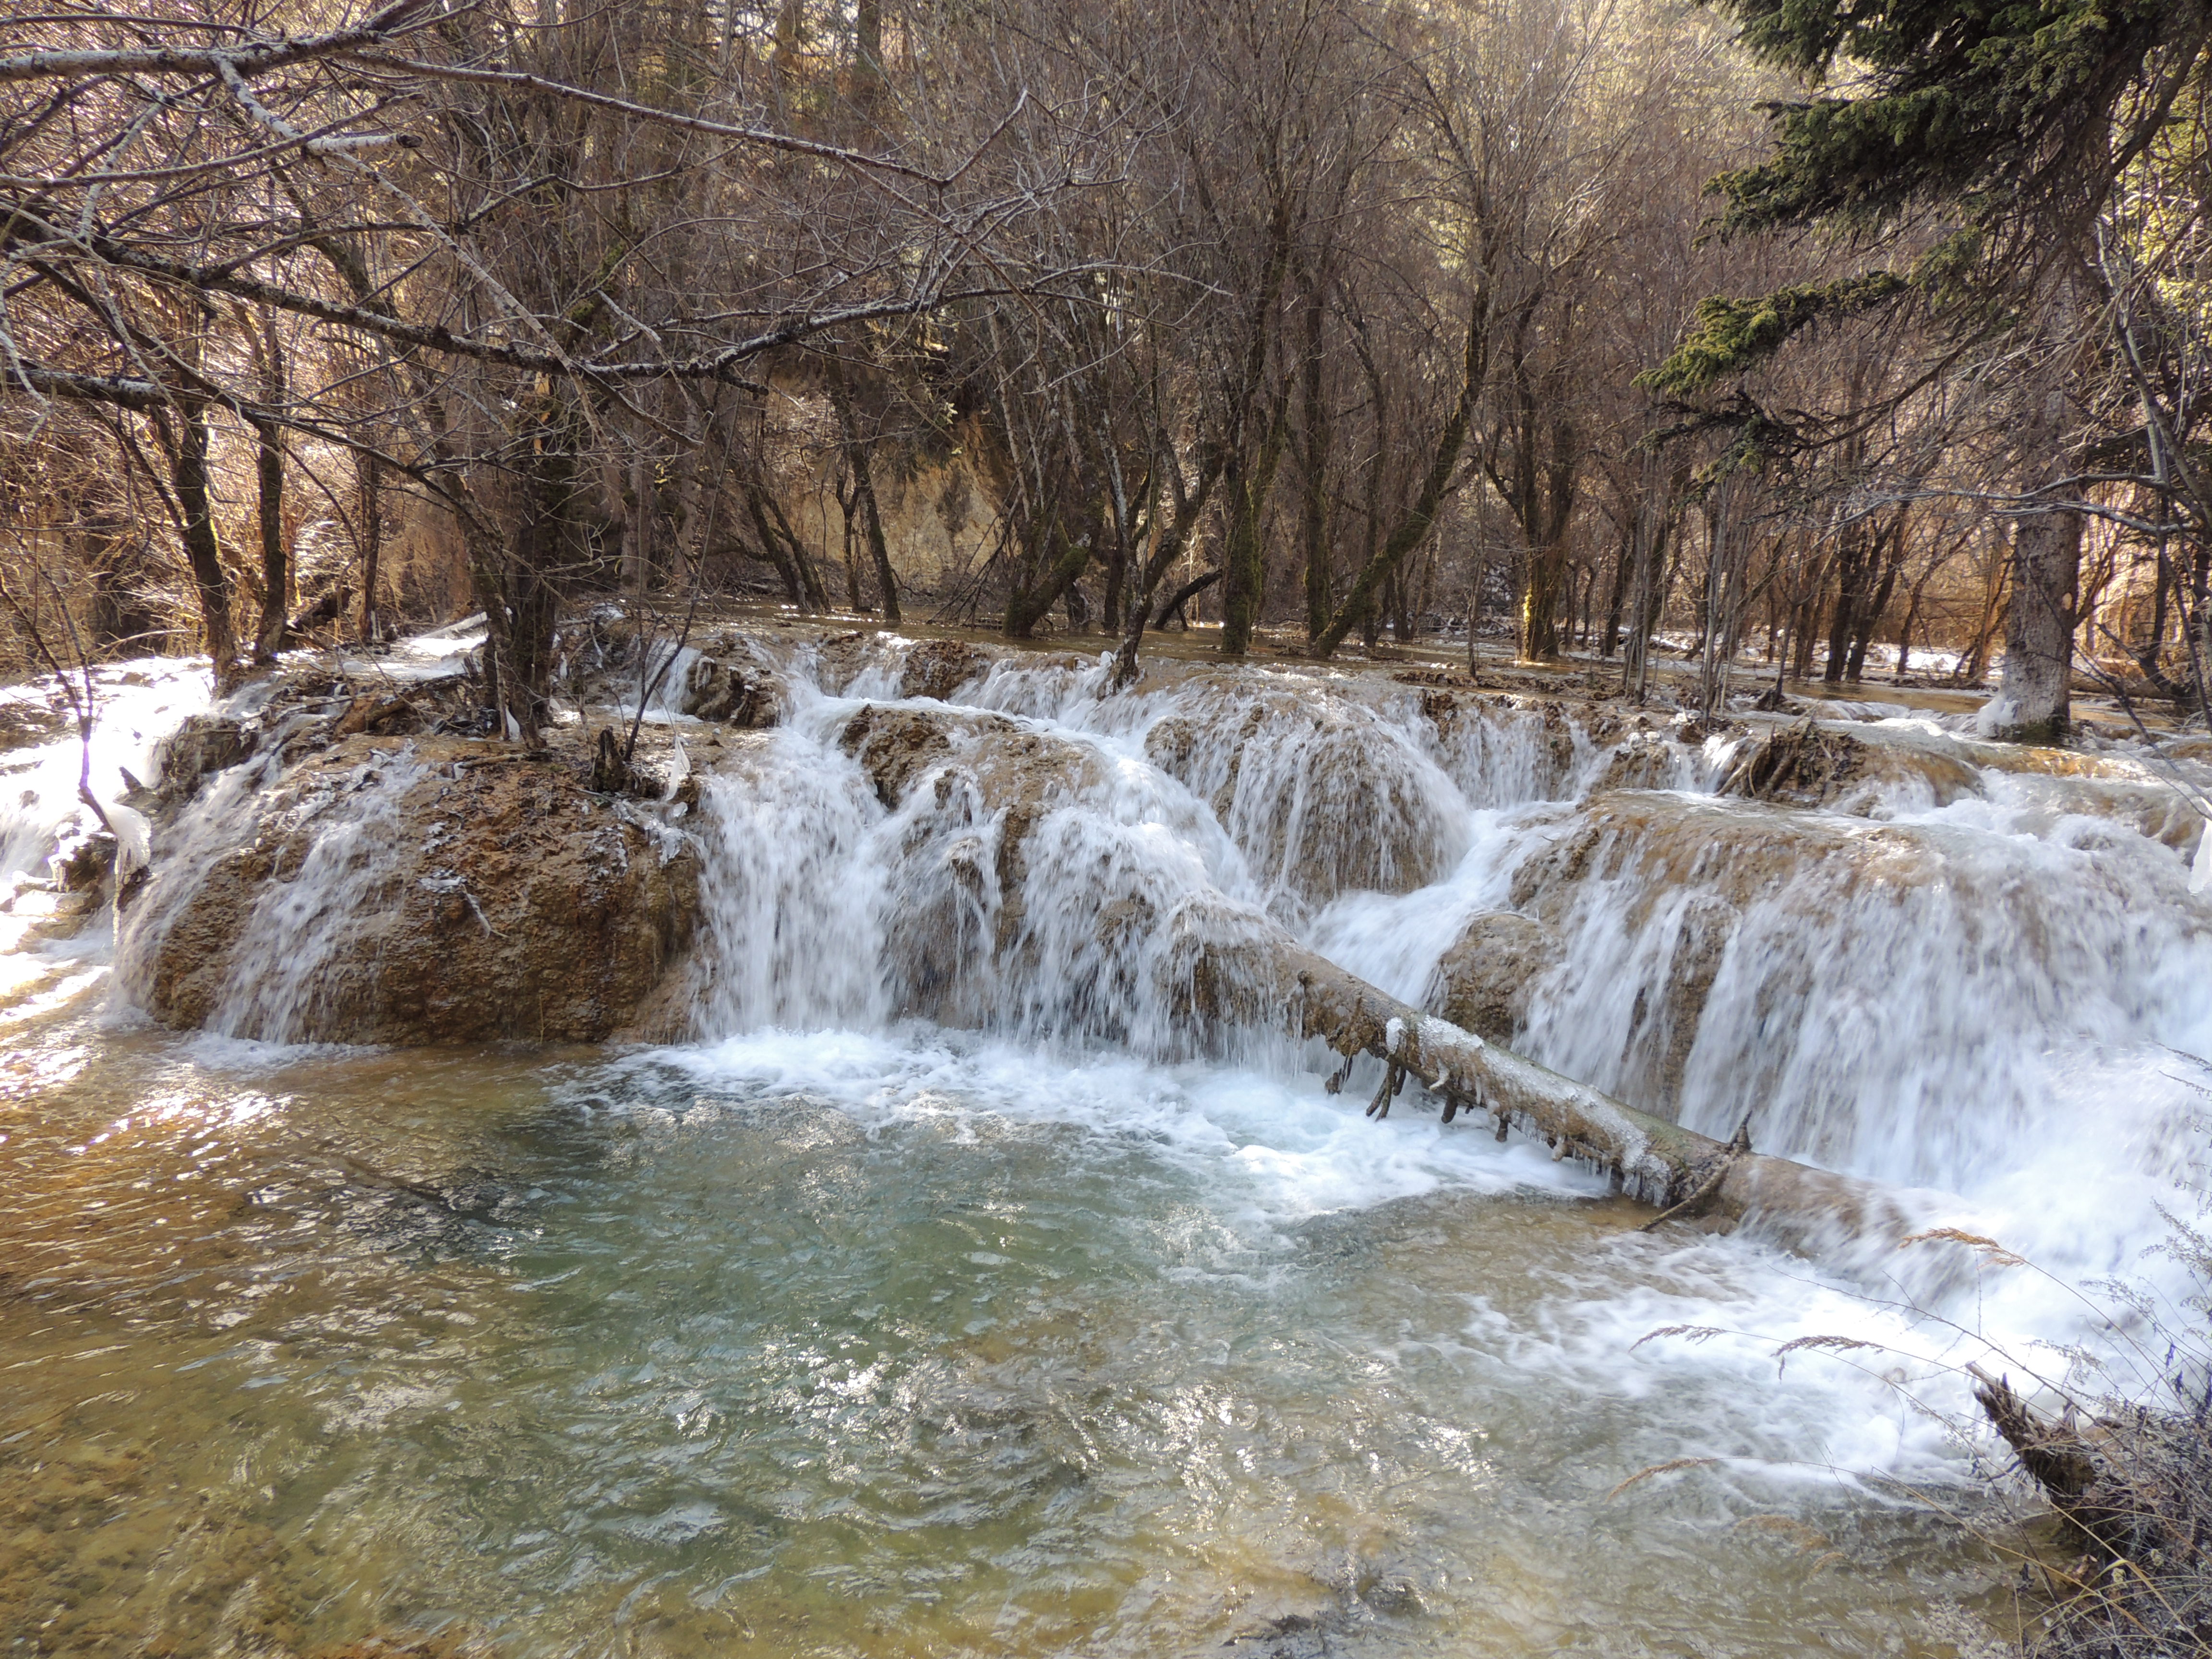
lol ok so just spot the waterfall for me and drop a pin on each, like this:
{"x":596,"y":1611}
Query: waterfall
{"x":136,"y":704}
{"x":1879,"y":998}
{"x":792,"y":899}
{"x":323,"y":847}
{"x":925,"y":1129}
{"x":282,"y":972}
{"x":1042,"y":906}
{"x":1978,"y":969}
{"x":1999,"y":996}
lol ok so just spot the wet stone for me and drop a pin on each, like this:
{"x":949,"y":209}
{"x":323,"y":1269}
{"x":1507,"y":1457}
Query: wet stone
{"x":427,"y":891}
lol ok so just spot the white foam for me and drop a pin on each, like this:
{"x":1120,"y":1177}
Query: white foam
{"x":1267,"y":1148}
{"x":135,"y":705}
{"x":1268,"y":1153}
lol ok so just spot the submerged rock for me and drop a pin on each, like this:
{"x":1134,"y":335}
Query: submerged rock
{"x":382,"y":717}
{"x":1901,"y":772}
{"x":1494,"y":978}
{"x":25,"y":724}
{"x":429,"y":891}
{"x":838,"y":659}
{"x":879,"y":664}
{"x":1031,"y":882}
{"x":895,"y":745}
{"x":83,"y":863}
{"x":1646,"y":758}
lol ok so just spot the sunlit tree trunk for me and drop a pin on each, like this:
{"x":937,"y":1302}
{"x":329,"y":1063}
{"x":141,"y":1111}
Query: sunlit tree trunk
{"x":203,"y":545}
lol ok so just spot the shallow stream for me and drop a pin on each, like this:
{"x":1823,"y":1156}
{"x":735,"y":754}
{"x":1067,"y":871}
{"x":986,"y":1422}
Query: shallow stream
{"x":857,"y":1336}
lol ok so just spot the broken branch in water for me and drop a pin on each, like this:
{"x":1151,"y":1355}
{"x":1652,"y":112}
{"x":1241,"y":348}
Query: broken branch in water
{"x":1258,"y":977}
{"x":1694,"y":1204}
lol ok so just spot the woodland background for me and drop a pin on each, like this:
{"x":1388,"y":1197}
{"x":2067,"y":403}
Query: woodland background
{"x":1851,"y":342}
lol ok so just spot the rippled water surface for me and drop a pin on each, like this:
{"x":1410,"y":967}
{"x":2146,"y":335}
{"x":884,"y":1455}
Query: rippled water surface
{"x":851,"y":1336}
{"x":889,"y":1343}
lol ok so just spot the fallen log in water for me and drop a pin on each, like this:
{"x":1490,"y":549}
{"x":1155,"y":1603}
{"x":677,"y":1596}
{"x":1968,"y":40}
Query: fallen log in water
{"x":1681,"y":1171}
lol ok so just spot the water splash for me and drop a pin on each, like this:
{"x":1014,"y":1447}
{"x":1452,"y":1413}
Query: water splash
{"x":137,"y":704}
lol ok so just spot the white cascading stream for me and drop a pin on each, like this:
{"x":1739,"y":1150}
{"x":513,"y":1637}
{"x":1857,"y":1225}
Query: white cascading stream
{"x":965,"y":1019}
{"x":822,"y":908}
{"x":1989,"y":986}
{"x":1996,"y":997}
{"x":280,"y":972}
{"x":335,"y":844}
{"x":792,"y":899}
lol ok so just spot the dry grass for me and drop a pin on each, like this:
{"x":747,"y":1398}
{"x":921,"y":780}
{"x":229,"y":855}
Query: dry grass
{"x":2143,"y":1587}
{"x":2132,"y":1482}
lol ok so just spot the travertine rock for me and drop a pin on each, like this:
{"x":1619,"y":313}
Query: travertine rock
{"x":491,"y":896}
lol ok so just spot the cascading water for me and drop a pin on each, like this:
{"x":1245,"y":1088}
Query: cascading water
{"x":1936,"y":986}
{"x":2002,"y":996}
{"x":1919,"y":989}
{"x":792,"y":901}
{"x":1032,"y":898}
{"x":949,"y":1291}
{"x":281,"y":971}
{"x":42,"y":815}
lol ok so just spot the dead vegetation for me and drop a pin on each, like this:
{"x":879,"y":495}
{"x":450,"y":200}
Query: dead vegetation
{"x":2130,"y":1481}
{"x":1803,"y":765}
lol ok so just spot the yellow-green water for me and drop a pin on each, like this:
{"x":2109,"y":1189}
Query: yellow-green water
{"x":885,"y":1346}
